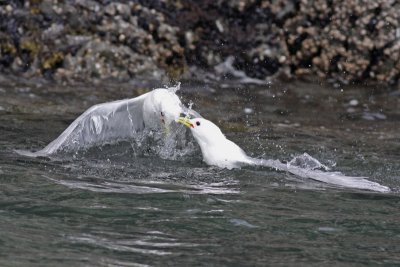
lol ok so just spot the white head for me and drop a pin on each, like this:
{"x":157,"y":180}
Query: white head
{"x":216,"y":149}
{"x":170,"y":108}
{"x":204,"y":131}
{"x":161,"y":107}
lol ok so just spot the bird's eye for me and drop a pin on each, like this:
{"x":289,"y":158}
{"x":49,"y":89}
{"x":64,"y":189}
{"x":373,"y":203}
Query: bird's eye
{"x":197,"y":123}
{"x":162,"y":114}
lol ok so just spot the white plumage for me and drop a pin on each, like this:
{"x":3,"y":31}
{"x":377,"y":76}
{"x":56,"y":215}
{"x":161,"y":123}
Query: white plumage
{"x":119,"y":120}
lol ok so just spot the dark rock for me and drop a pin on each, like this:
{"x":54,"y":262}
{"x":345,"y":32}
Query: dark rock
{"x":343,"y":42}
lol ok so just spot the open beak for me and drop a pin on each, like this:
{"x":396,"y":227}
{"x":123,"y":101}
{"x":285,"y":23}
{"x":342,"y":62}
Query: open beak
{"x":185,"y":121}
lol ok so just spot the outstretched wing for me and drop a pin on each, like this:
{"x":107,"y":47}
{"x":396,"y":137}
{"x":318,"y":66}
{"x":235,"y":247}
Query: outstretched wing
{"x":101,"y":123}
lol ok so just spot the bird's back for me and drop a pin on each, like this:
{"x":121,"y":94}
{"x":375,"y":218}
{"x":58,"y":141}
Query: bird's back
{"x":224,"y":154}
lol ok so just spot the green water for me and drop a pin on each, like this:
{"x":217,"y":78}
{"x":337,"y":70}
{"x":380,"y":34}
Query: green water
{"x":108,"y":207}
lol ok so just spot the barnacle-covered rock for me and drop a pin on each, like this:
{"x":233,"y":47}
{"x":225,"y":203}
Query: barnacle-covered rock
{"x":343,"y":41}
{"x":349,"y":41}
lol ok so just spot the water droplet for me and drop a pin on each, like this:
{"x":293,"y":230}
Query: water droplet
{"x":248,"y":110}
{"x":353,"y":102}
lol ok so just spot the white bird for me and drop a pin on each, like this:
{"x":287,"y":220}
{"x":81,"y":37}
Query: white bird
{"x":218,"y":151}
{"x":119,"y":120}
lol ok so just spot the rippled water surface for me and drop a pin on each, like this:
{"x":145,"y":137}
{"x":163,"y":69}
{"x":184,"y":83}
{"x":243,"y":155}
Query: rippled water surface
{"x":110,"y":206}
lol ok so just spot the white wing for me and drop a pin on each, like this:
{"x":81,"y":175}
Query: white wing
{"x":101,"y":123}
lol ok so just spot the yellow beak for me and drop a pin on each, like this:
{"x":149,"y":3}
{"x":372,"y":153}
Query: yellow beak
{"x":185,"y":121}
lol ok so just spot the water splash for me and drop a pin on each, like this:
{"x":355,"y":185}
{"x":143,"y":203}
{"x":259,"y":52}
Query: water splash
{"x":177,"y":143}
{"x":174,"y":89}
{"x":308,"y":167}
{"x":307,"y":162}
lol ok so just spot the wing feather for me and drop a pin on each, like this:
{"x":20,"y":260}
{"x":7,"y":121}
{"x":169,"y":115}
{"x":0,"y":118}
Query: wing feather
{"x":102,"y":123}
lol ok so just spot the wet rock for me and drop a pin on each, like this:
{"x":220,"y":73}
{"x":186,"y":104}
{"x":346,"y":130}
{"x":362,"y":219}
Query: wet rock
{"x":77,"y":40}
{"x":344,"y":42}
{"x":110,"y":9}
{"x":89,"y":4}
{"x":102,"y":59}
{"x":54,"y":31}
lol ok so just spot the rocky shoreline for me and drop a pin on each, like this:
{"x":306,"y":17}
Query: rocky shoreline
{"x":355,"y":41}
